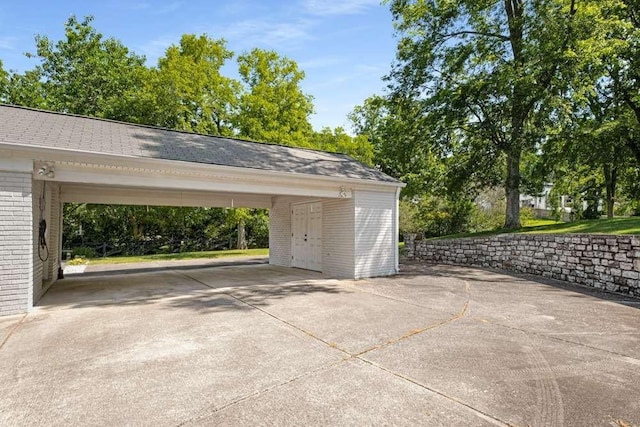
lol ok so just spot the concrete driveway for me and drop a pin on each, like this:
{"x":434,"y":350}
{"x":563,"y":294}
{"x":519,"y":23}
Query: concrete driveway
{"x":263,"y":345}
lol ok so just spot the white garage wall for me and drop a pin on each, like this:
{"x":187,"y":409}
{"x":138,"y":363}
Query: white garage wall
{"x":337,"y":238}
{"x":37,"y":264}
{"x":280,"y":232}
{"x":16,"y":244}
{"x":375,"y":241}
{"x":45,"y":273}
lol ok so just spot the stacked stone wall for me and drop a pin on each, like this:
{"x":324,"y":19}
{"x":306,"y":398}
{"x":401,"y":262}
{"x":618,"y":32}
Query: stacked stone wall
{"x":600,"y":261}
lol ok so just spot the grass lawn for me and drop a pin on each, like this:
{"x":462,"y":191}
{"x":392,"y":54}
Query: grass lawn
{"x":178,"y":256}
{"x":627,"y":225}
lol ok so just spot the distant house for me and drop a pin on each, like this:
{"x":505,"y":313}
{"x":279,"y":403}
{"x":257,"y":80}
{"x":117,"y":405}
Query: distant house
{"x":540,"y":203}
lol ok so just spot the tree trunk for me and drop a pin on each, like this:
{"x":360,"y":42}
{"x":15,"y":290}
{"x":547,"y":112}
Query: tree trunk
{"x":512,"y":189}
{"x":611,"y":178}
{"x":242,"y":237}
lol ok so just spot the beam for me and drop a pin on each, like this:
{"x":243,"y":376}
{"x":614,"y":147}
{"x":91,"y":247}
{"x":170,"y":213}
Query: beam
{"x":153,"y":197}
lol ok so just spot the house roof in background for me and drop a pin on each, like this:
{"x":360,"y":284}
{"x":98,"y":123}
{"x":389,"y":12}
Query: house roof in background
{"x":36,"y":128}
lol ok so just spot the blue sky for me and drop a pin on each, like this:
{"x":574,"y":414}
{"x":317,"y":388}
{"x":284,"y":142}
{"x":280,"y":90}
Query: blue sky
{"x":344,"y":46}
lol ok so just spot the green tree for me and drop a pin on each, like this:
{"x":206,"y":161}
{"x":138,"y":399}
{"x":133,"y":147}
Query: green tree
{"x":624,"y":60}
{"x":485,"y":74}
{"x":86,"y":74}
{"x":4,"y":82}
{"x":394,"y":129}
{"x":273,"y":107}
{"x":590,"y":144}
{"x":26,"y":89}
{"x":187,"y":90}
{"x":338,"y":141}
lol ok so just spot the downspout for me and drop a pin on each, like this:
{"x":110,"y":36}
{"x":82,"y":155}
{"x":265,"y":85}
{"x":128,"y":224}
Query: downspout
{"x":396,"y":231}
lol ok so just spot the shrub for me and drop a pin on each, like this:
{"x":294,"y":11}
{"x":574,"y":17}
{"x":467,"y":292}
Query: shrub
{"x":83,"y":252}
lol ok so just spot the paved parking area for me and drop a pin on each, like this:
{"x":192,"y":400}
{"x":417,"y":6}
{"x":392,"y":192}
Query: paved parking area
{"x":263,"y":345}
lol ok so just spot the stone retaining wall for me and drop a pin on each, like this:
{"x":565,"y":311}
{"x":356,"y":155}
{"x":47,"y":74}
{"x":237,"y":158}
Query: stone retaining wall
{"x":600,"y":261}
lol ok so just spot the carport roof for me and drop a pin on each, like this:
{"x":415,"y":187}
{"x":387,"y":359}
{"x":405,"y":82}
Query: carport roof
{"x":36,"y":128}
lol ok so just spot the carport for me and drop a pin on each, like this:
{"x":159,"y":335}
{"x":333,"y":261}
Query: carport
{"x":327,"y":212}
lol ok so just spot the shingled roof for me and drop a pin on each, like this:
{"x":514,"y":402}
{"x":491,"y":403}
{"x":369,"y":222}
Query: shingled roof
{"x":37,"y":128}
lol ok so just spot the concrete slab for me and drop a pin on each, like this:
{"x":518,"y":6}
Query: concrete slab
{"x":7,"y":325}
{"x":145,"y":362}
{"x":349,"y":393}
{"x":519,"y":378}
{"x":602,"y":320}
{"x":266,"y":345}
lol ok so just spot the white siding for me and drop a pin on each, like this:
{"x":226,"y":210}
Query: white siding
{"x":338,"y":238}
{"x":16,"y":243}
{"x":375,"y":240}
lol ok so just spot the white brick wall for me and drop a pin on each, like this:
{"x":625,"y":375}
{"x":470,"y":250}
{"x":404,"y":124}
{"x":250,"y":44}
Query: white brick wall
{"x":280,"y":232}
{"x":16,"y":243}
{"x":45,"y":273}
{"x":375,"y":241}
{"x":37,"y":264}
{"x":55,"y":234}
{"x":338,"y":238}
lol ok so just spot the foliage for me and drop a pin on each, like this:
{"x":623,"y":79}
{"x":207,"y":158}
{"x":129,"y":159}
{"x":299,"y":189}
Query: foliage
{"x":338,"y":141}
{"x":187,"y":90}
{"x":26,"y":89}
{"x":394,"y":130}
{"x":434,"y":216}
{"x":86,"y":74}
{"x":138,"y":230}
{"x":273,"y":107}
{"x":83,"y":252}
{"x":489,"y":210}
{"x":484,"y":75}
{"x":624,"y":60}
{"x":4,"y":82}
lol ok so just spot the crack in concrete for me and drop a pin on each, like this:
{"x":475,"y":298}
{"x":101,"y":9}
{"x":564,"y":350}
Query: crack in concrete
{"x":309,"y":333}
{"x":207,"y":412}
{"x":13,"y":329}
{"x":414,"y":332}
{"x":348,"y":356}
{"x":487,"y":417}
{"x":622,"y":356}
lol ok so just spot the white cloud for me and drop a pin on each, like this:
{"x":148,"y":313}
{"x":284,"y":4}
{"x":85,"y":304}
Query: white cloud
{"x":8,"y":43}
{"x":168,"y":8}
{"x":129,"y":5}
{"x":146,"y":6}
{"x":342,"y":7}
{"x":256,"y":32}
{"x":156,"y":48}
{"x":321,"y":62}
{"x":356,"y":73}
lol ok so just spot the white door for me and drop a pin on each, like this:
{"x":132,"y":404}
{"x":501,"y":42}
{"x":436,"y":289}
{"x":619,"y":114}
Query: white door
{"x":306,"y":236}
{"x":299,"y":236}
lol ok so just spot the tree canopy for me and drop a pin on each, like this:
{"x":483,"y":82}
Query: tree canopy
{"x":273,"y":107}
{"x":188,"y":91}
{"x":84,"y":73}
{"x":484,"y":73}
